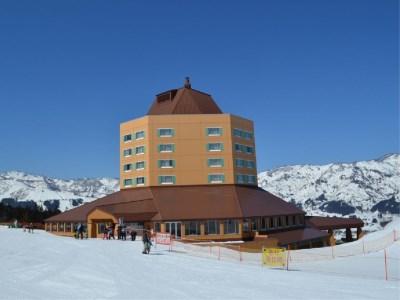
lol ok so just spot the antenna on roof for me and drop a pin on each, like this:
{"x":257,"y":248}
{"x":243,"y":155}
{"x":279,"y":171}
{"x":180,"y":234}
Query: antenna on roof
{"x":187,"y":83}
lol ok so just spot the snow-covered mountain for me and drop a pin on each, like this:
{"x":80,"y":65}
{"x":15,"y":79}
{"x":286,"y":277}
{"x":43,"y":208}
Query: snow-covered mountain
{"x":22,"y":188}
{"x":369,"y":190}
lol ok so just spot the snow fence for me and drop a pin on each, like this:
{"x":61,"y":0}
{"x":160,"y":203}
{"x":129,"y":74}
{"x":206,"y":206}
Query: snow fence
{"x":373,"y":257}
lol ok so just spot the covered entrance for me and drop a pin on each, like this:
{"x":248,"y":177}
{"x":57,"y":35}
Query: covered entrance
{"x":173,"y":228}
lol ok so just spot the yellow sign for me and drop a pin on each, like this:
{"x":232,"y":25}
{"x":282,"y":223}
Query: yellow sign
{"x":274,"y":257}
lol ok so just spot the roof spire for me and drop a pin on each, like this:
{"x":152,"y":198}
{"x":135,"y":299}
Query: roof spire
{"x":187,"y":83}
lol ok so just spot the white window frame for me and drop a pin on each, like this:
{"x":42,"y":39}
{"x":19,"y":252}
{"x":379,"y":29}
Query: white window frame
{"x":167,"y":183}
{"x":129,"y":155}
{"x":217,"y":174}
{"x":165,"y":136}
{"x":218,"y":150}
{"x":141,"y":138}
{"x":220,"y":128}
{"x":144,"y":149}
{"x":139,"y":169}
{"x":169,"y":151}
{"x":140,"y":184}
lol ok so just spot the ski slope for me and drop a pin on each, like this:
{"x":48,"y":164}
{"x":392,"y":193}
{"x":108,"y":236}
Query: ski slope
{"x":44,"y":266}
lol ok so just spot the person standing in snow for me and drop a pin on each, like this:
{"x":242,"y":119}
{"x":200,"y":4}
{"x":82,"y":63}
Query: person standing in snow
{"x":146,"y":242}
{"x":80,"y":231}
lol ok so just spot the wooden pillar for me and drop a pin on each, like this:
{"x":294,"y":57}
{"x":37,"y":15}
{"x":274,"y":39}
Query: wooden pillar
{"x":221,"y":227}
{"x":202,"y":229}
{"x":359,"y":232}
{"x":57,"y":226}
{"x":349,"y":236}
{"x":240,"y":227}
{"x":162,"y":227}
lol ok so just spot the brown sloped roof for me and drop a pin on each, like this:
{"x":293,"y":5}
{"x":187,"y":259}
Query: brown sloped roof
{"x":187,"y":203}
{"x":325,"y":223}
{"x":183,"y":101}
{"x":139,"y":210}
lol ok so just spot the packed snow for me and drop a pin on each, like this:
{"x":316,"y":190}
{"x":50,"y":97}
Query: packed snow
{"x":44,"y":266}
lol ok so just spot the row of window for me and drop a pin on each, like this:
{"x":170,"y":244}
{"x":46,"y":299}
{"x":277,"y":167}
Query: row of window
{"x":168,"y":148}
{"x":212,"y":227}
{"x":170,"y":179}
{"x":170,"y":132}
{"x":246,"y":179}
{"x":244,"y":148}
{"x":242,"y":163}
{"x":242,"y":134}
{"x":138,"y":136}
{"x":170,"y":163}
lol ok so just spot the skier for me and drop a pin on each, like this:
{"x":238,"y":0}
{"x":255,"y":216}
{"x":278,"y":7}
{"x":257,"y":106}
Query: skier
{"x":80,"y":231}
{"x":146,"y":243}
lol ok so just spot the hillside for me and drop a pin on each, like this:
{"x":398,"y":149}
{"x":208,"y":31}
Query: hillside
{"x":366,"y":189}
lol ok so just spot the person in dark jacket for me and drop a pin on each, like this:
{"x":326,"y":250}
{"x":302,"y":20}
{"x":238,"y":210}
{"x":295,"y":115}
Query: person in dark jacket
{"x":133,"y":235}
{"x":146,"y":242}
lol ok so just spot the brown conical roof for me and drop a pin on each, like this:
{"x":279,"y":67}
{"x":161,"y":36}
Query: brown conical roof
{"x":184,"y":101}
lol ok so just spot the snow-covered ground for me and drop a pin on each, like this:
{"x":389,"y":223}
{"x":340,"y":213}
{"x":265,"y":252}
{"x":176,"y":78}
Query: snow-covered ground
{"x":44,"y":266}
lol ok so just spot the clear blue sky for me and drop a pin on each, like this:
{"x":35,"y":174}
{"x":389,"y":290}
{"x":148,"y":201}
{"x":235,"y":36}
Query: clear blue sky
{"x":319,"y":78}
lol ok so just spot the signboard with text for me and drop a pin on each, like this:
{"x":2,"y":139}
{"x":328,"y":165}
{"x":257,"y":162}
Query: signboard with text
{"x":163,"y":238}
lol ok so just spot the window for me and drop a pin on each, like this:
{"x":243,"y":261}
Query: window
{"x":166,"y":163}
{"x":139,"y":135}
{"x":212,"y":227}
{"x":139,"y":165}
{"x":244,"y":148}
{"x":139,"y":150}
{"x":127,"y":138}
{"x":127,"y":152}
{"x":215,"y":147}
{"x":139,"y":180}
{"x":254,"y":224}
{"x":166,"y":179}
{"x":128,"y":182}
{"x":242,"y":134}
{"x":157,"y":227}
{"x":216,"y":178}
{"x":246,"y":225}
{"x":192,"y":228}
{"x":263,"y":224}
{"x":251,"y":164}
{"x":214,"y":131}
{"x":252,"y":179}
{"x":249,"y":150}
{"x":166,"y":148}
{"x":127,"y":167}
{"x":215,"y":162}
{"x":231,"y":226}
{"x":165,"y":132}
{"x":246,"y":179}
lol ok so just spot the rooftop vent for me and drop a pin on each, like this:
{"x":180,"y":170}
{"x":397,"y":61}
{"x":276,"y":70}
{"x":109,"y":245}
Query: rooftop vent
{"x":187,"y":83}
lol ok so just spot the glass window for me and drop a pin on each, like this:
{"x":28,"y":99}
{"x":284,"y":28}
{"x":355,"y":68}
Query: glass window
{"x":231,"y":226}
{"x":192,"y":228}
{"x":166,"y":179}
{"x":216,"y":178}
{"x":139,"y":165}
{"x":166,"y":163}
{"x":251,"y":164}
{"x":211,"y":227}
{"x":127,"y":152}
{"x":139,"y":180}
{"x":128,"y":182}
{"x":214,"y":131}
{"x":165,"y":132}
{"x":215,"y":147}
{"x":127,"y":137}
{"x":139,"y":135}
{"x":215,"y":162}
{"x":246,"y":225}
{"x":254,"y":224}
{"x":252,"y":179}
{"x":127,"y":167}
{"x":249,"y":150}
{"x":157,"y":227}
{"x":166,"y":148}
{"x":242,"y":134}
{"x":139,"y":150}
